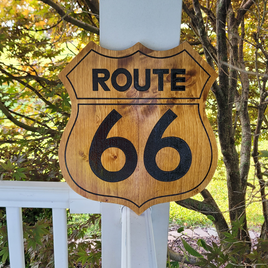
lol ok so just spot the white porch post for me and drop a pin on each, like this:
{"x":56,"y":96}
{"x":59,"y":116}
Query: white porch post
{"x":154,"y":23}
{"x":137,"y":241}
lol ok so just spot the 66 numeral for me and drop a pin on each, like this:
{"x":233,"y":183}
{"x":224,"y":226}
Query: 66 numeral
{"x":154,"y":144}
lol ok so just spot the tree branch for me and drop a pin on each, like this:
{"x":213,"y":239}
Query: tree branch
{"x":20,"y":140}
{"x":211,"y":51}
{"x":181,"y":258}
{"x":210,"y":14}
{"x":93,"y":5}
{"x":243,"y":10}
{"x":70,"y":19}
{"x":265,"y":75}
{"x":222,"y":7}
{"x":261,"y":118}
{"x":44,"y":29}
{"x":199,"y":29}
{"x":22,"y":125}
{"x":29,"y":87}
{"x":244,"y":116}
{"x":207,"y":207}
{"x":233,"y":52}
{"x":31,"y":119}
{"x":30,"y":76}
{"x":37,"y":78}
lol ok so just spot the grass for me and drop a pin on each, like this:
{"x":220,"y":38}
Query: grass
{"x":218,"y":189}
{"x":186,"y":217}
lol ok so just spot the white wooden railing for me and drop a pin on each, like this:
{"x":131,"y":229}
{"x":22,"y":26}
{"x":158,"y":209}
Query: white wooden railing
{"x":128,"y":240}
{"x":15,"y":195}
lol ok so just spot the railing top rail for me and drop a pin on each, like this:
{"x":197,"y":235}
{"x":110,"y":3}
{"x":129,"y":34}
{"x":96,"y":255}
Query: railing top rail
{"x":33,"y":194}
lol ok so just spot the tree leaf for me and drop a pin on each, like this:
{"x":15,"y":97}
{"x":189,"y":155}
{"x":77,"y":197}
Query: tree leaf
{"x":181,"y":229}
{"x":210,"y":217}
{"x":191,"y":250}
{"x":263,"y":153}
{"x":174,"y":264}
{"x":202,"y":243}
{"x":4,"y":253}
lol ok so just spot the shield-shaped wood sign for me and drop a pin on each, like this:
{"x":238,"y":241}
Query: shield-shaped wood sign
{"x":138,"y":133}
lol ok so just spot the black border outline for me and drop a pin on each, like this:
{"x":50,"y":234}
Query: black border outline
{"x":130,"y":55}
{"x":123,"y":198}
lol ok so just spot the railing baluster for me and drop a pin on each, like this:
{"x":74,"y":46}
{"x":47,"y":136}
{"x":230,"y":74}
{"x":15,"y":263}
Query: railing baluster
{"x":15,"y":237}
{"x":60,"y":237}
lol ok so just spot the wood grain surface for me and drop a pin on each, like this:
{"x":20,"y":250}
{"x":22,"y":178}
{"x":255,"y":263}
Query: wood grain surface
{"x":138,"y":134}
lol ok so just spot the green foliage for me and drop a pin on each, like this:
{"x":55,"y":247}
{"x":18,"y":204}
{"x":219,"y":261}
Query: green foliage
{"x":173,"y":264}
{"x":263,"y":159}
{"x":3,"y":239}
{"x":263,"y":153}
{"x":31,"y":94}
{"x":15,"y":173}
{"x":202,"y":243}
{"x":32,"y":215}
{"x":84,"y":242}
{"x":210,"y":217}
{"x":30,"y":165}
{"x":231,"y":252}
{"x":190,"y":250}
{"x":4,"y":254}
{"x":180,"y":230}
{"x":34,"y":234}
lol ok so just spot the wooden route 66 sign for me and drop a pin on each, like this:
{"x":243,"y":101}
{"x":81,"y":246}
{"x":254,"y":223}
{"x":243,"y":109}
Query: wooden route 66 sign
{"x":138,"y":134}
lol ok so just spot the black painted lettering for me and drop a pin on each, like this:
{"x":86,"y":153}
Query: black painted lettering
{"x":160,"y":73}
{"x":100,"y":79}
{"x":147,"y":80}
{"x":155,"y":143}
{"x":177,"y":79}
{"x":100,"y":143}
{"x":128,"y":78}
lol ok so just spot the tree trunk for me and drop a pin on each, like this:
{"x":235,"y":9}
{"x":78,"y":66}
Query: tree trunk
{"x":227,"y":55}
